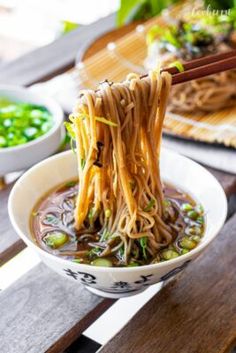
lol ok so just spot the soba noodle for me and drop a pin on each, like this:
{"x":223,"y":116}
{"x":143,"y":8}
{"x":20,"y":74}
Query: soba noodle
{"x":118,"y":212}
{"x":207,"y":94}
{"x":118,"y":131}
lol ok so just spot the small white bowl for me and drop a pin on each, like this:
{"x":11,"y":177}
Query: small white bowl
{"x":117,"y":282}
{"x":24,"y":156}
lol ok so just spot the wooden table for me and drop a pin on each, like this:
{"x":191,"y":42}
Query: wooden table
{"x":194,"y":313}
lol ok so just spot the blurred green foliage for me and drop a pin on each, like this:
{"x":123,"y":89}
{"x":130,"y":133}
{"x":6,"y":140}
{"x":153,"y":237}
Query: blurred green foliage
{"x":131,"y":10}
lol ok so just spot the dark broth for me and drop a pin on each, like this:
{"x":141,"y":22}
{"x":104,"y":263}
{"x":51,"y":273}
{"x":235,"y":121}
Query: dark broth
{"x":52,"y":225}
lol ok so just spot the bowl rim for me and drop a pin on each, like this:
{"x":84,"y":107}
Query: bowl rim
{"x":52,"y":105}
{"x":30,"y":242}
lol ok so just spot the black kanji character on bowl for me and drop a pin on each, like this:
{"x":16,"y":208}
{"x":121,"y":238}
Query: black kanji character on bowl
{"x":86,"y":278}
{"x":144,"y":280}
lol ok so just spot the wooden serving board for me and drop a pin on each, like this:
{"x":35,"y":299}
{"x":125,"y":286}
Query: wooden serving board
{"x":123,"y":51}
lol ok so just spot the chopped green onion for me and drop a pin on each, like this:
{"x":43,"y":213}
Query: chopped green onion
{"x":187,"y":243}
{"x":193,"y":230}
{"x":169,"y":254}
{"x":105,"y":235}
{"x":133,"y":264}
{"x":91,"y":213}
{"x":184,"y":251}
{"x":149,"y":205}
{"x":82,"y":163}
{"x":70,"y":129}
{"x":196,"y":238}
{"x":70,"y":184}
{"x":179,"y":66}
{"x":105,"y":121}
{"x":199,"y":209}
{"x":153,"y":33}
{"x":200,"y":220}
{"x":101,"y":262}
{"x":166,"y":203}
{"x":107,"y":213}
{"x":94,"y":252}
{"x":193,"y":215}
{"x":21,"y":123}
{"x":143,"y":242}
{"x":97,"y":118}
{"x":186,"y":207}
{"x":55,"y":239}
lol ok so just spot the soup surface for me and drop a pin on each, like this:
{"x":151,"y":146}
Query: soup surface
{"x":52,"y":225}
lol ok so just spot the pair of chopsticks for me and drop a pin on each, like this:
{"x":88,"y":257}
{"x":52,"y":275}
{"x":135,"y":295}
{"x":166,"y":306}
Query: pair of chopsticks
{"x":202,"y":67}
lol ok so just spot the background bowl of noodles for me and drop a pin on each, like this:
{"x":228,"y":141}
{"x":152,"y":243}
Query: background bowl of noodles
{"x":117,"y":282}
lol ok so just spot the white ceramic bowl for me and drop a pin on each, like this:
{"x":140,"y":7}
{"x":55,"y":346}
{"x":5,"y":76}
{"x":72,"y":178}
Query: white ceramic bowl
{"x":117,"y":282}
{"x":24,"y":156}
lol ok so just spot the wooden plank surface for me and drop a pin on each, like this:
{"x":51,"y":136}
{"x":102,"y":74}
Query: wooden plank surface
{"x":194,"y":314}
{"x":44,"y":312}
{"x":52,"y":59}
{"x":10,"y":243}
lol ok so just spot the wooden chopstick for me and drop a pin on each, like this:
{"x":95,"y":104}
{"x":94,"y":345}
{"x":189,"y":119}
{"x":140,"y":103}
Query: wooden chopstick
{"x":204,"y":67}
{"x":202,"y":61}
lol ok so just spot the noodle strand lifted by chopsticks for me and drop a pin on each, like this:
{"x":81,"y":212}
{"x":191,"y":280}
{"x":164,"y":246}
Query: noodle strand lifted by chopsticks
{"x":118,"y":131}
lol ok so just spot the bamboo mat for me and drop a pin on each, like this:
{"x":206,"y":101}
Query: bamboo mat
{"x":126,"y":55}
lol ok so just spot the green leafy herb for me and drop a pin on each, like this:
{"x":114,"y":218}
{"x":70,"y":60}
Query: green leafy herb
{"x":149,"y":205}
{"x":94,"y":252}
{"x":131,"y":10}
{"x":143,"y":242}
{"x":179,"y":66}
{"x":154,"y":32}
{"x":220,"y":4}
{"x":70,"y":184}
{"x":50,"y":219}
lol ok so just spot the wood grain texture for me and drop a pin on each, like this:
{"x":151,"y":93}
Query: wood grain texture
{"x":194,"y":314}
{"x":44,"y":312}
{"x":57,"y":57}
{"x":10,"y":243}
{"x":227,"y":180}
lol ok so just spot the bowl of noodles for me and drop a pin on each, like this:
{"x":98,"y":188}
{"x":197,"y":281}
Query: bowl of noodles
{"x":194,"y":34}
{"x":119,"y":213}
